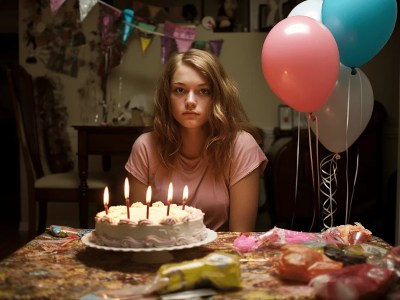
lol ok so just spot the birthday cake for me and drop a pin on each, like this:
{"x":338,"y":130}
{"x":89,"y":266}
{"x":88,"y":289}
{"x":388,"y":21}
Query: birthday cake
{"x":157,"y":228}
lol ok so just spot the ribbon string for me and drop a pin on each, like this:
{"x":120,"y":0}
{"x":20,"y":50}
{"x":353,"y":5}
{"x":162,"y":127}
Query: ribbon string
{"x":328,"y":188}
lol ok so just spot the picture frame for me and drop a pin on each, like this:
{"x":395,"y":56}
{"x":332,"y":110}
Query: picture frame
{"x":285,"y":114}
{"x":265,"y":14}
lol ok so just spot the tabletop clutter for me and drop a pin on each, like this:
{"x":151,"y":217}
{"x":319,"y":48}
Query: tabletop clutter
{"x":342,"y":262}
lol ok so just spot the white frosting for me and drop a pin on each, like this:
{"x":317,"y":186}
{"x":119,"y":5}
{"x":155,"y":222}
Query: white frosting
{"x":181,"y":227}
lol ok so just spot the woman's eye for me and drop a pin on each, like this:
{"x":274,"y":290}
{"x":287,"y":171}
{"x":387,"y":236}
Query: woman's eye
{"x":204,"y":91}
{"x":179,"y":90}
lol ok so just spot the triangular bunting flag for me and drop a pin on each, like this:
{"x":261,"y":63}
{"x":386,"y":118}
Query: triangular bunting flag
{"x":168,"y":45}
{"x":108,"y":22}
{"x":154,"y":10}
{"x":146,"y":37}
{"x":128,"y":15}
{"x":85,"y":6}
{"x":215,"y":46}
{"x":184,"y":37}
{"x":199,"y":45}
{"x":55,"y":5}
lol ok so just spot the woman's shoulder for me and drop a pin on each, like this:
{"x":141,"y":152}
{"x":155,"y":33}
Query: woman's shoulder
{"x":245,"y":137}
{"x":147,"y":139}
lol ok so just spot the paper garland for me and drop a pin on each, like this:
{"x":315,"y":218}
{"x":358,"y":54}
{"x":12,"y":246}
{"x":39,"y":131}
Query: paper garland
{"x":128,"y":17}
{"x":85,"y":6}
{"x":145,"y":38}
{"x":55,"y":5}
{"x":176,"y":37}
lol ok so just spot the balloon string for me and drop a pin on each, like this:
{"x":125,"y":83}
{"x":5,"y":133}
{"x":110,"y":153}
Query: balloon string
{"x":348,"y":208}
{"x":328,"y":188}
{"x":347,"y":216}
{"x":317,"y":164}
{"x":313,"y":118}
{"x":354,"y":184}
{"x":297,"y":171}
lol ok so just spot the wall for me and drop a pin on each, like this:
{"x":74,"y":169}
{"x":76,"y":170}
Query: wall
{"x":240,"y":56}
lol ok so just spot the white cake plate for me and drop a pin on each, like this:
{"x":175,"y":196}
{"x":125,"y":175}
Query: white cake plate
{"x":146,"y":255}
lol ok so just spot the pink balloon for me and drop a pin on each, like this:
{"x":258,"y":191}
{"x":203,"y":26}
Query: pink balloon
{"x":346,"y":113}
{"x":300,"y":62}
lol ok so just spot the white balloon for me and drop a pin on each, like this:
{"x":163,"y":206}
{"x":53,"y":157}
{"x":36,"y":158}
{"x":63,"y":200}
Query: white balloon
{"x":308,"y":8}
{"x":344,"y":116}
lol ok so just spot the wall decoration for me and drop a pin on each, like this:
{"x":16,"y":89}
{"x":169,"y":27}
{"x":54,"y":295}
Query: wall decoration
{"x":265,"y":14}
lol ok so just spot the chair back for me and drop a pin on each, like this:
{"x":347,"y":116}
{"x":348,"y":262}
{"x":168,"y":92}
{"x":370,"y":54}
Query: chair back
{"x":23,"y":104}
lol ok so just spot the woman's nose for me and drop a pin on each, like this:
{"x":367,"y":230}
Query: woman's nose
{"x":190,"y":102}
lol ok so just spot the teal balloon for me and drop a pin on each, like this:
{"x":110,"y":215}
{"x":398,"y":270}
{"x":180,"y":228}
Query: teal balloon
{"x":361,"y":28}
{"x":127,"y":15}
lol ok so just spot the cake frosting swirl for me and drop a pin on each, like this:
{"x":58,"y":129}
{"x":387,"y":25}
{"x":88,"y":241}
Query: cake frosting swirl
{"x":180,"y":227}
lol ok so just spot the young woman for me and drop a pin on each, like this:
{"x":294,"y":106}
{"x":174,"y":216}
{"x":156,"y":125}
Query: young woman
{"x":200,"y":138}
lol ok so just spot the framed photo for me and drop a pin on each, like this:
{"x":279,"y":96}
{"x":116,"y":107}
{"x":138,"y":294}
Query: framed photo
{"x":285,"y":117}
{"x":265,"y":14}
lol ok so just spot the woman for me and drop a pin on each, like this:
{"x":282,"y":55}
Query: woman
{"x":200,"y":138}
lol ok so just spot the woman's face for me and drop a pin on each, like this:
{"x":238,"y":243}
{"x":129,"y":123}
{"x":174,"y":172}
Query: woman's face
{"x":190,"y":97}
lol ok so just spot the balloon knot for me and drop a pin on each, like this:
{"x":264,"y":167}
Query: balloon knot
{"x":353,"y":71}
{"x":312,"y":117}
{"x":337,"y":156}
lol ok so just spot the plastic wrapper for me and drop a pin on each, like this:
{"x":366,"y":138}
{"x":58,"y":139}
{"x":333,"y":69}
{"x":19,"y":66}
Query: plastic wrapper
{"x":362,"y":281}
{"x":276,"y":237}
{"x":301,"y":263}
{"x":344,"y":235}
{"x":346,"y":258}
{"x":217,"y":270}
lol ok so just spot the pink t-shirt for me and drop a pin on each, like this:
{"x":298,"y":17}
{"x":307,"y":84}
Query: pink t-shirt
{"x":207,"y":192}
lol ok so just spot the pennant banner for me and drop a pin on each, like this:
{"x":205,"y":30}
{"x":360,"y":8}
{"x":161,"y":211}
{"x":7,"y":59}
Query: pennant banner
{"x":145,"y":37}
{"x":185,"y":36}
{"x":215,"y":46}
{"x":128,"y":15}
{"x":85,"y":6}
{"x":55,"y":5}
{"x":168,"y":45}
{"x":109,"y":22}
{"x":199,"y":45}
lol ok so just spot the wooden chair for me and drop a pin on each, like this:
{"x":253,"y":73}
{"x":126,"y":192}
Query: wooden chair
{"x":41,"y":187}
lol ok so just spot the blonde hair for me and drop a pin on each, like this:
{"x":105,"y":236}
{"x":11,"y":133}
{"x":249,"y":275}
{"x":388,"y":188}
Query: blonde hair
{"x":227,"y":116}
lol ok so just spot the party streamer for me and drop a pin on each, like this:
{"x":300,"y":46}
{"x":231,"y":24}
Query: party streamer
{"x":329,"y":188}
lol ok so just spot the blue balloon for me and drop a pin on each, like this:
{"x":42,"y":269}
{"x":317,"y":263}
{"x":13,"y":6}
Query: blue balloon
{"x":360,"y":27}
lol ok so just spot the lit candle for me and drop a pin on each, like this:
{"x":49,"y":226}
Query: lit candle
{"x":170,"y":193}
{"x":185,"y":196}
{"x":126,"y":190}
{"x":106,"y":199}
{"x":148,"y":201}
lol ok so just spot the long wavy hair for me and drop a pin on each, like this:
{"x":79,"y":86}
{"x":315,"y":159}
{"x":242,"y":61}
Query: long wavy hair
{"x":226,"y":117}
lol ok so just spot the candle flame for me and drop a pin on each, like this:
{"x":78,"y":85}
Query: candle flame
{"x":106,"y":196}
{"x":185,"y":193}
{"x":170,"y":192}
{"x":148,"y":195}
{"x":126,"y":188}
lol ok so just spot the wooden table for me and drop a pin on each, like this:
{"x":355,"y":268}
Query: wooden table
{"x":50,"y":267}
{"x":105,"y":141}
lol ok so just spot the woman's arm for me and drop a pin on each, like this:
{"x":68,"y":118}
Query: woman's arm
{"x":137,"y":190}
{"x":244,"y":203}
